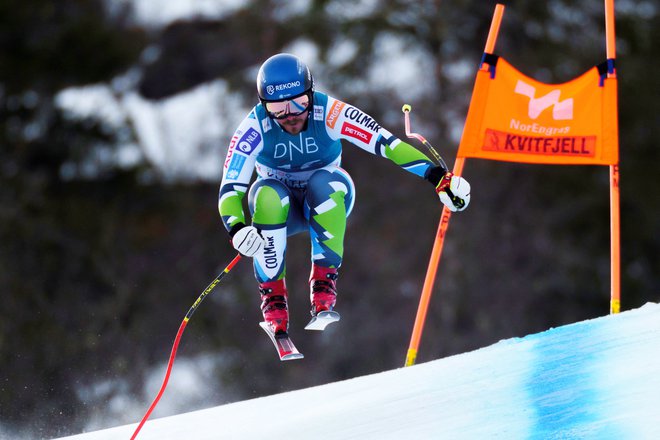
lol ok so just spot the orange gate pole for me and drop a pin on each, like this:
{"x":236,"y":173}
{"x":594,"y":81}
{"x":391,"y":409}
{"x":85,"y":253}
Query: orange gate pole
{"x":436,"y":252}
{"x":615,"y":211}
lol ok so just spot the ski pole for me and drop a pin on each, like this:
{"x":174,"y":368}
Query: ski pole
{"x":406,"y":115}
{"x":182,"y":327}
{"x":438,"y":159}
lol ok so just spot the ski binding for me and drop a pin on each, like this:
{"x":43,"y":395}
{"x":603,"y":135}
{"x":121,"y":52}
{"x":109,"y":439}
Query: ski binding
{"x":283,"y":344}
{"x":322,"y":320}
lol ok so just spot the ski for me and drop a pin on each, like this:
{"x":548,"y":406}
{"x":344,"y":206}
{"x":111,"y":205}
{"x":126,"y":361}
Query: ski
{"x":283,"y":344}
{"x":322,"y":320}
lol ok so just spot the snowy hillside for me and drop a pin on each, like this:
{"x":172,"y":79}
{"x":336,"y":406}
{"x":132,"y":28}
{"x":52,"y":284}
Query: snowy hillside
{"x":598,"y":379}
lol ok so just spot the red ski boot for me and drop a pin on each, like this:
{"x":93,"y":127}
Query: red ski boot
{"x":323,"y":288}
{"x":274,"y":305}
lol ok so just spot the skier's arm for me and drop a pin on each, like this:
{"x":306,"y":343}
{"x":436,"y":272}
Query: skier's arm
{"x":347,"y":122}
{"x":245,"y":144}
{"x":454,"y":191}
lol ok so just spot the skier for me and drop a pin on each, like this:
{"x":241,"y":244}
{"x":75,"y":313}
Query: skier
{"x":292,"y":139}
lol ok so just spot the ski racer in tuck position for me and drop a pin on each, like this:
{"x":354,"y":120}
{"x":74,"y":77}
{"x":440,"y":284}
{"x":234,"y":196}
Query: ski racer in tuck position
{"x":292,"y":140}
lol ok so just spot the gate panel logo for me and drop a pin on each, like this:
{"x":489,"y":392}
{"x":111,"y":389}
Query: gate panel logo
{"x":561,"y":110}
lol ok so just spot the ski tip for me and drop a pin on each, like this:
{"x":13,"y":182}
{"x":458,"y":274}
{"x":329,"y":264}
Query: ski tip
{"x":292,"y":356}
{"x":329,"y":314}
{"x":286,"y":350}
{"x":322,"y":320}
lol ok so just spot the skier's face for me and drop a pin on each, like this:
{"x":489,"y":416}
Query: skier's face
{"x":294,"y":124}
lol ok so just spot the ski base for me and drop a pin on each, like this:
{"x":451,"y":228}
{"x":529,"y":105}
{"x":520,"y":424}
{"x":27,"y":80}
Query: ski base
{"x":322,"y":320}
{"x":283,"y":344}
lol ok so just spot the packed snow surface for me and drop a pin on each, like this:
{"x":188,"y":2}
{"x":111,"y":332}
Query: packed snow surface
{"x":597,"y":379}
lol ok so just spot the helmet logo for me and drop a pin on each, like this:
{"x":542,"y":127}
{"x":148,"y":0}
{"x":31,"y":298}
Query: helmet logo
{"x":270,"y":89}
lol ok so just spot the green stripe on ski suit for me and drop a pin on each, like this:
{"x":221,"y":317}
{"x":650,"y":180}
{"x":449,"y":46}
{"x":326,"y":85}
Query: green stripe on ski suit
{"x":270,"y":213}
{"x":268,"y":208}
{"x":232,"y":208}
{"x":404,"y":154}
{"x":334,"y":222}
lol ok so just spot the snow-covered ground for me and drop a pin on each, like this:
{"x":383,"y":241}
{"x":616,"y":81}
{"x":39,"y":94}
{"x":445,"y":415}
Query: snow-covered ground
{"x":597,"y":379}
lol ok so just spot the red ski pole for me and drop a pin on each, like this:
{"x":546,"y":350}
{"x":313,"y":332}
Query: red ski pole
{"x":182,"y":327}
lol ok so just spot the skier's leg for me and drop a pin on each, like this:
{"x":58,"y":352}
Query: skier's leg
{"x":328,"y":202}
{"x":269,"y":202}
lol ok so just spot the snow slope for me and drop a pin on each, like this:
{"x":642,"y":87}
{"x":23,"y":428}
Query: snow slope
{"x":597,"y":379}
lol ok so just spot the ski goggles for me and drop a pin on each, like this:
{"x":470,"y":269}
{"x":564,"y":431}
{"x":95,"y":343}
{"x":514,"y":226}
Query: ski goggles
{"x":289,"y":107}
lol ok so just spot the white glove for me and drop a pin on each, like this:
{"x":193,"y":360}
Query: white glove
{"x":454,"y":192}
{"x":248,"y":241}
